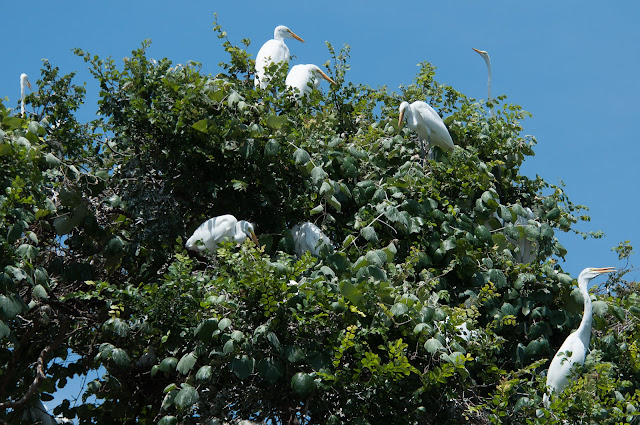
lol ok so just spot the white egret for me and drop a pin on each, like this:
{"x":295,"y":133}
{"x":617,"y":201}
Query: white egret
{"x":487,"y":59}
{"x":426,"y":122}
{"x":574,"y":349}
{"x":306,"y":78}
{"x":24,"y":80}
{"x":308,"y":237}
{"x":218,"y":229}
{"x":273,"y":51}
{"x":37,"y":413}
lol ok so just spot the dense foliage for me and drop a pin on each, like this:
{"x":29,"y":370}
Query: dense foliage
{"x":94,"y":275}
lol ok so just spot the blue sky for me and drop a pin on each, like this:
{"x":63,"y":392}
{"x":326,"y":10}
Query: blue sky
{"x":572,"y":64}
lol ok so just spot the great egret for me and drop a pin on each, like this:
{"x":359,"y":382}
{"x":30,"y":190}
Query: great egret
{"x":37,"y":413}
{"x":306,"y":78}
{"x":24,"y":80}
{"x":218,"y":229}
{"x":574,"y":349}
{"x":487,"y":59}
{"x":273,"y":51}
{"x":426,"y":122}
{"x":308,"y":237}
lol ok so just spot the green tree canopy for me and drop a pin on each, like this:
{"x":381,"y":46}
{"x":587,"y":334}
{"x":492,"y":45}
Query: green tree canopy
{"x":93,"y":219}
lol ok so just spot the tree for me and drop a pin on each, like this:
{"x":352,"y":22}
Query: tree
{"x":93,"y":219}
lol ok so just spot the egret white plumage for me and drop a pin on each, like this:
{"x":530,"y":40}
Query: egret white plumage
{"x":308,"y":237}
{"x":24,"y":81}
{"x":487,"y":59}
{"x":218,"y":229}
{"x":574,"y":349}
{"x":306,"y":78}
{"x":426,"y":122}
{"x":37,"y":413}
{"x":273,"y":51}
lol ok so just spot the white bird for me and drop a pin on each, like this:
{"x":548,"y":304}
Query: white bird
{"x":308,"y":237}
{"x":273,"y":51}
{"x":24,"y":80}
{"x":574,"y":349}
{"x":305,"y":78}
{"x":487,"y":59}
{"x":426,"y":122}
{"x":218,"y":229}
{"x":37,"y":413}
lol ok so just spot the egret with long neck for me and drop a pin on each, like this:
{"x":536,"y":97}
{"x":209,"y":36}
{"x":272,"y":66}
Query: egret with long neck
{"x":24,"y":81}
{"x":487,"y":59}
{"x":574,"y":348}
{"x":273,"y":51}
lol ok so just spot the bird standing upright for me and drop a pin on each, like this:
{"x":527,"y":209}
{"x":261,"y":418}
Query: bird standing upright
{"x":306,"y":78}
{"x":487,"y":59}
{"x":574,"y":349}
{"x":273,"y":51}
{"x":426,"y":122}
{"x":218,"y":229}
{"x":24,"y":80}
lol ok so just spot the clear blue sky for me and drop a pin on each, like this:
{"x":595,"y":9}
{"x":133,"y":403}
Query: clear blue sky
{"x":573,"y":64}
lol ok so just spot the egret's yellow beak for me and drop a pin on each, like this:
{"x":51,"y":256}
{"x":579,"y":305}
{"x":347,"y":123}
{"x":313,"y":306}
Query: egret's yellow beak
{"x":254,"y":239}
{"x":29,"y":84}
{"x":401,"y":120}
{"x":326,"y":77}
{"x":479,"y":51}
{"x":294,"y":35}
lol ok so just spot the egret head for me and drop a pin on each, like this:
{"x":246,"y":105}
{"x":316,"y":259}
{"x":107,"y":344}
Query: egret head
{"x":247,"y":230}
{"x":24,"y":79}
{"x":590,"y":272}
{"x":318,"y":72}
{"x":403,"y":107}
{"x":482,"y":53}
{"x":281,"y":32}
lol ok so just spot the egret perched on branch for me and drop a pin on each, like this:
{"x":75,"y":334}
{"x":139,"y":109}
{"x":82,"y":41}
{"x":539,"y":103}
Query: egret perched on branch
{"x":306,"y":78}
{"x":574,"y":348}
{"x":308,"y":237}
{"x":426,"y":122}
{"x":487,"y":59}
{"x":24,"y":80}
{"x":273,"y":51}
{"x":218,"y":229}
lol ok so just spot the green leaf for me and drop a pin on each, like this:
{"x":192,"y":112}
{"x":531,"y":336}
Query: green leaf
{"x":201,"y":125}
{"x":300,"y":156}
{"x":120,"y":357}
{"x":294,"y":354}
{"x":350,"y":292}
{"x":11,"y":306}
{"x":14,"y":233}
{"x":167,"y":365}
{"x":39,"y":293}
{"x":318,"y":175}
{"x":242,"y":367}
{"x":276,"y":121}
{"x":28,"y":252}
{"x":369,"y":234}
{"x":168,"y":420}
{"x":600,"y":308}
{"x":4,"y":330}
{"x":272,"y":370}
{"x":186,"y":397}
{"x":51,"y":160}
{"x":204,"y":373}
{"x":186,"y":363}
{"x":224,"y":324}
{"x":271,"y":148}
{"x":433,"y":345}
{"x":204,"y":331}
{"x":398,"y":309}
{"x":303,"y":384}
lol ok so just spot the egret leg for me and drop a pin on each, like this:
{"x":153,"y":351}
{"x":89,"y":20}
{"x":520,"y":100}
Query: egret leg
{"x":431,"y":152}
{"x":422,"y":151}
